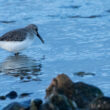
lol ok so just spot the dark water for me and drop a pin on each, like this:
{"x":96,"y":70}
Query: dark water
{"x":77,"y":36}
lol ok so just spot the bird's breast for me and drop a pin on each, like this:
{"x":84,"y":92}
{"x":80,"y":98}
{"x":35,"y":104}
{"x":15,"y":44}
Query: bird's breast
{"x":15,"y":46}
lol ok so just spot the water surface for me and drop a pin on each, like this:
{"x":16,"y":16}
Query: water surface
{"x":77,"y":38}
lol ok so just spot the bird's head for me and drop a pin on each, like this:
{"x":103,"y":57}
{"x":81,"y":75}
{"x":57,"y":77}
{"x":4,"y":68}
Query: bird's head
{"x":34,"y":28}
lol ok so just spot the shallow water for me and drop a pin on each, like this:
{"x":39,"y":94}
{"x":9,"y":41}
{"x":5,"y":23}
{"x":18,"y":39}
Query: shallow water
{"x":77,"y":38}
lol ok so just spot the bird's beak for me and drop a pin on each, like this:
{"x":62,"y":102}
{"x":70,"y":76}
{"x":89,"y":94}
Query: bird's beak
{"x":40,"y":38}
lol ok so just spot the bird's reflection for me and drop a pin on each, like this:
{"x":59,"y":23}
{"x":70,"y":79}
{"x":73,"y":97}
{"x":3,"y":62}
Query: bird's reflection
{"x":21,"y":66}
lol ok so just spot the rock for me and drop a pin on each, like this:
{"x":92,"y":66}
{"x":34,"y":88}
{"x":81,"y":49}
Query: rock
{"x":24,"y":95}
{"x":6,"y":22}
{"x":64,"y":94}
{"x":62,"y":84}
{"x":28,"y":77}
{"x":12,"y":95}
{"x":83,"y":94}
{"x":58,"y":102}
{"x":2,"y":97}
{"x":101,"y":103}
{"x":21,"y":77}
{"x":35,"y":104}
{"x":26,"y":105}
{"x":82,"y":74}
{"x":79,"y":92}
{"x":15,"y":106}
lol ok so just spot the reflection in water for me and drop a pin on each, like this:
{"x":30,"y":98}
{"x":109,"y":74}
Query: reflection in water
{"x":21,"y":66}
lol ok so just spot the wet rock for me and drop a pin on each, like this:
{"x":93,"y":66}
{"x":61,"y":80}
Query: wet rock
{"x":64,"y":94}
{"x":7,"y":22}
{"x":12,"y":95}
{"x":83,"y":94}
{"x":15,"y":106}
{"x":101,"y":103}
{"x":21,"y":77}
{"x":79,"y":92}
{"x":82,"y":74}
{"x":2,"y":97}
{"x":24,"y":95}
{"x":26,"y":105}
{"x":62,"y":84}
{"x":58,"y":102}
{"x":28,"y":77}
{"x":35,"y":104}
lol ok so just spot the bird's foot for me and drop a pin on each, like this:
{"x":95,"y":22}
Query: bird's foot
{"x":16,"y":54}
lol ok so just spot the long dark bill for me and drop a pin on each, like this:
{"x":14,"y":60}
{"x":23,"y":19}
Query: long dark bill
{"x":40,"y":38}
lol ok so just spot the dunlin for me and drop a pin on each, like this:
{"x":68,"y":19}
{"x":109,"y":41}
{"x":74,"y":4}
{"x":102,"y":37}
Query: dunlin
{"x":19,"y":39}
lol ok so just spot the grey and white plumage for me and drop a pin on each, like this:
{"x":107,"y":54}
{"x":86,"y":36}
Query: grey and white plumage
{"x":19,"y":39}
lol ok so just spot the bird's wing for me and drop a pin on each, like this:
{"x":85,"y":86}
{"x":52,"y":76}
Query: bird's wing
{"x":16,"y":35}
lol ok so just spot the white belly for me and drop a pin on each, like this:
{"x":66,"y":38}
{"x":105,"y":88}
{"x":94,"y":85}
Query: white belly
{"x":15,"y":46}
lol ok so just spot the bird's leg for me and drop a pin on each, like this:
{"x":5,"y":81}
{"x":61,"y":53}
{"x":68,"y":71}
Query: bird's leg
{"x":16,"y":54}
